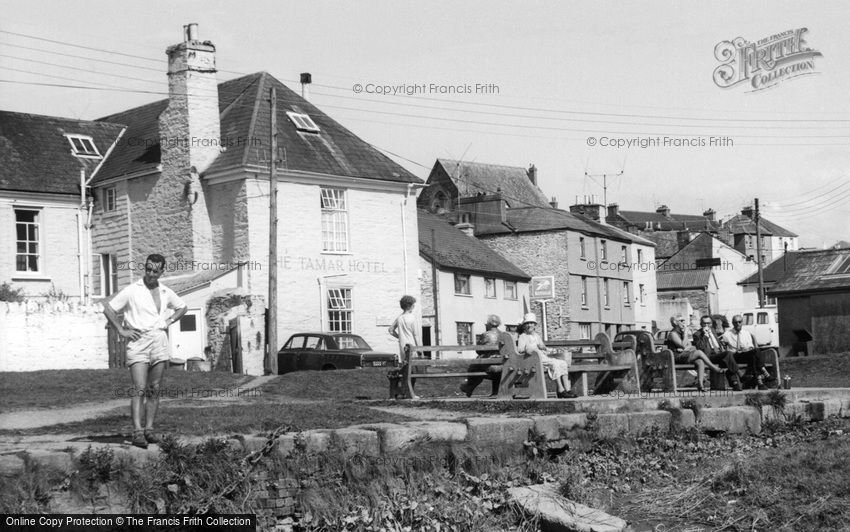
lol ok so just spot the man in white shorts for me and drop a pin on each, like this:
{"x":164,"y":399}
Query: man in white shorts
{"x":145,"y":304}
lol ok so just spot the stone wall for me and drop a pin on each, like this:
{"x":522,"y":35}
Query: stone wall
{"x":52,"y":335}
{"x":249,"y":311}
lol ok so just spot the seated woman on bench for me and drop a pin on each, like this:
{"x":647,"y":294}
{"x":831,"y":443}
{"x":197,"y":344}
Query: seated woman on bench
{"x":684,"y":353}
{"x":557,"y":368}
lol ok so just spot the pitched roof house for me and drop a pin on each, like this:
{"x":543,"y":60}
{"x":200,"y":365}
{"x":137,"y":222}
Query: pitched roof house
{"x":190,"y":180}
{"x":472,"y":281}
{"x":775,"y":239}
{"x":44,"y":161}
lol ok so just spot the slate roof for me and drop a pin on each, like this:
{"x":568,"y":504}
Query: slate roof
{"x":182,"y":283}
{"x":529,"y":219}
{"x":675,"y":222}
{"x":457,"y":251}
{"x":683,"y":279}
{"x":743,"y":224}
{"x":775,"y":270}
{"x":35,"y":156}
{"x":809,"y":273}
{"x":516,"y":188}
{"x":666,"y":243}
{"x":245,"y":120}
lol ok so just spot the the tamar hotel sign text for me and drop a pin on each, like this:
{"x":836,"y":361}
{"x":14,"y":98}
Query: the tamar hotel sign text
{"x":765,"y":63}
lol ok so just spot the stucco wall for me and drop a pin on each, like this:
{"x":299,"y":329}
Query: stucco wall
{"x":59,"y":262}
{"x":57,"y":335}
{"x":374,"y":268}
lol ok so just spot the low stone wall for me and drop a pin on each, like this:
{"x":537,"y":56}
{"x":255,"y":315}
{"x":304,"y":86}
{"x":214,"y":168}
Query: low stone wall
{"x":38,"y":335}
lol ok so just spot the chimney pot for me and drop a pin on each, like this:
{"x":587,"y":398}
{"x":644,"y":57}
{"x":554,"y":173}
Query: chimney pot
{"x":192,"y":32}
{"x":554,"y":202}
{"x":532,"y":174}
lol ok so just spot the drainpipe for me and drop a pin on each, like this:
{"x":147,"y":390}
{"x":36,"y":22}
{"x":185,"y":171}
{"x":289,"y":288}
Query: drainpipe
{"x":404,"y":233}
{"x":80,"y":251}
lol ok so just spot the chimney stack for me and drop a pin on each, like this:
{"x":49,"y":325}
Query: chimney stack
{"x":613,"y":210}
{"x":306,"y":79}
{"x":532,"y":174}
{"x":709,"y":214}
{"x":664,"y":211}
{"x":748,"y":212}
{"x":189,"y":142}
{"x":554,"y":202}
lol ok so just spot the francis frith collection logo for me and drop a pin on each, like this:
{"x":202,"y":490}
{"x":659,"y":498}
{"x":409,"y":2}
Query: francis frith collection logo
{"x":764,"y":63}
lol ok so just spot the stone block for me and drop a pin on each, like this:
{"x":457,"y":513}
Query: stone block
{"x":558,"y":513}
{"x":555,"y":427}
{"x":359,"y":441}
{"x":498,"y":431}
{"x":845,"y":408}
{"x":682,"y":418}
{"x":612,"y":425}
{"x":315,"y":441}
{"x":733,"y":420}
{"x":640,"y":422}
{"x":285,"y":444}
{"x":11,"y":464}
{"x":440,"y":431}
{"x":821,"y":410}
{"x":53,"y":459}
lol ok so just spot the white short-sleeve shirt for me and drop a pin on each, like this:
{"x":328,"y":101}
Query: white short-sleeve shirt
{"x":138,"y":306}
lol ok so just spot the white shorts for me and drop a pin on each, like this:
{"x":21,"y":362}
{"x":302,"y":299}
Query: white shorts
{"x":152,"y":348}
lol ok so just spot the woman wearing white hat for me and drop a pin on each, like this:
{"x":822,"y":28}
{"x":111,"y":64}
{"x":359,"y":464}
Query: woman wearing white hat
{"x":557,"y":368}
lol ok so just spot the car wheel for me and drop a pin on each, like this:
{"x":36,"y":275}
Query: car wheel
{"x":327,"y":367}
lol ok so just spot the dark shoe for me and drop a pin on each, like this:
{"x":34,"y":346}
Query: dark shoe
{"x":760,"y":382}
{"x":567,"y":395}
{"x":139,"y":439}
{"x":467,"y":389}
{"x":152,"y":437}
{"x":736,"y":386}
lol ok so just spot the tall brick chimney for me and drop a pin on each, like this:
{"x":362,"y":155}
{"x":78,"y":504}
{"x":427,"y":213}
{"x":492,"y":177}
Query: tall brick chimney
{"x":190,"y":140}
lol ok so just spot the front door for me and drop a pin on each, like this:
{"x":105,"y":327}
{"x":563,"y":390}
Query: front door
{"x":187,"y":336}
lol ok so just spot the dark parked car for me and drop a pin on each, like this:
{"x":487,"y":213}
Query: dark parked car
{"x":323,"y":351}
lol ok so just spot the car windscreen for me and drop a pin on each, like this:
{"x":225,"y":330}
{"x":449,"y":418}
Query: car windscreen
{"x":350,"y":341}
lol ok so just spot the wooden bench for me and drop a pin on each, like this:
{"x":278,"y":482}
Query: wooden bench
{"x":521,"y":378}
{"x":614,"y":363}
{"x":658,"y":362}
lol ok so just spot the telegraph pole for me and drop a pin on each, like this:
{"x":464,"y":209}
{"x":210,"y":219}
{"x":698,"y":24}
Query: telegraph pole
{"x":272,"y":321}
{"x":758,"y":255}
{"x":435,"y":288}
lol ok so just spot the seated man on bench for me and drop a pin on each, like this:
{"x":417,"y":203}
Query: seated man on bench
{"x":706,"y":340}
{"x":742,"y":342}
{"x":493,"y":336}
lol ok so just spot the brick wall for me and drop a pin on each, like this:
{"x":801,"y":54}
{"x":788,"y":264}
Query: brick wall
{"x":52,"y":335}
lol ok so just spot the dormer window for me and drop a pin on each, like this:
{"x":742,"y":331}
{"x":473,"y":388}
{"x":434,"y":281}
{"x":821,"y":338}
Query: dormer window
{"x":83,"y":146}
{"x":303,"y":122}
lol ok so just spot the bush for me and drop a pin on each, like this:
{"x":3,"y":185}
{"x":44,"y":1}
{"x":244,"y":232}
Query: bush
{"x":10,"y":294}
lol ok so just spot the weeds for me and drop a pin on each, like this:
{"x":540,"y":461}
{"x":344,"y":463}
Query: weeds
{"x":29,"y":492}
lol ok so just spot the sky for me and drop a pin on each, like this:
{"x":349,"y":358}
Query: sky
{"x":557,"y":84}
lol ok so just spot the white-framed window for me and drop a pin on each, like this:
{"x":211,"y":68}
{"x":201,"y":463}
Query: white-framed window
{"x":604,"y":250}
{"x":640,"y":256}
{"x":642,"y":294}
{"x":841,"y":266}
{"x":340,"y":310}
{"x":464,"y":333}
{"x":83,"y":146}
{"x":462,"y":284}
{"x":27,"y":240}
{"x":584,"y":331}
{"x":105,"y":275}
{"x":334,"y":219}
{"x":749,"y":241}
{"x":584,"y":291}
{"x":510,"y":290}
{"x":605,"y":300}
{"x":303,"y":122}
{"x":624,"y":251}
{"x":489,"y":287}
{"x":626,"y":298}
{"x":582,"y":251}
{"x":109,"y":199}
